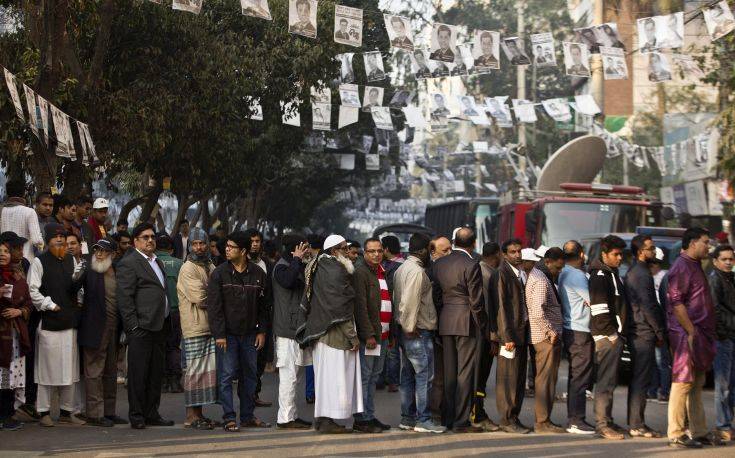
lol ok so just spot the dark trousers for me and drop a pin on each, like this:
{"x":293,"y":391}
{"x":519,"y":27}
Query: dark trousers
{"x":7,"y":404}
{"x":265,"y":356}
{"x":547,"y":357}
{"x":607,"y":358}
{"x":437,"y":385}
{"x":580,"y":350}
{"x":643,"y":357}
{"x":510,"y":386}
{"x":459,"y":378}
{"x":146,"y":361}
{"x":31,"y":389}
{"x":309,"y":382}
{"x":482,"y":373}
{"x":173,"y":346}
{"x":240,"y":359}
{"x":531,"y":375}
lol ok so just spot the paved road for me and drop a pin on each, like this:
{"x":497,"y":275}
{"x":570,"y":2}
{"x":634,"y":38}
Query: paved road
{"x":178,"y":441}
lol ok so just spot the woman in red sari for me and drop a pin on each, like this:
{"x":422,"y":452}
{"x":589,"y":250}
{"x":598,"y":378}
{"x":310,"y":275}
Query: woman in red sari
{"x":15,"y":308}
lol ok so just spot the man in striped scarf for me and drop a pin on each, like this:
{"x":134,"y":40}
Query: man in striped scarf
{"x":373,"y":315}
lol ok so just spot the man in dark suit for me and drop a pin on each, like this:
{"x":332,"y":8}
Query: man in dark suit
{"x":181,"y":240}
{"x":508,"y":302}
{"x":462,"y":321}
{"x":142,"y":303}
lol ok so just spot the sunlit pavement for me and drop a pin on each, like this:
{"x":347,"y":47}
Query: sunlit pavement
{"x":34,"y":440}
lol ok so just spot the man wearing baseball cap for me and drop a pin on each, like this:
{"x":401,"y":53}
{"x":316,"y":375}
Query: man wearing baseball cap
{"x":97,"y":219}
{"x":97,"y":337}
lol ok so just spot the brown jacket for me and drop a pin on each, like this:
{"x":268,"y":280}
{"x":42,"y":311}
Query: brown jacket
{"x":367,"y":302}
{"x":463,"y":312}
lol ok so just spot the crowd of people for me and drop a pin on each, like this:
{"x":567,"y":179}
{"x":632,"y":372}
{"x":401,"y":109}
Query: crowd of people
{"x":84,"y":306}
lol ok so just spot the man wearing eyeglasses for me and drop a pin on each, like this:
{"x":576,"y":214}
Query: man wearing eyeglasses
{"x":144,"y":307}
{"x":238,"y":319}
{"x":644,"y":333}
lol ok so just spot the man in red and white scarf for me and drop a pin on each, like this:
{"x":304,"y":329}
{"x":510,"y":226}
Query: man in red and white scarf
{"x":373,"y":316}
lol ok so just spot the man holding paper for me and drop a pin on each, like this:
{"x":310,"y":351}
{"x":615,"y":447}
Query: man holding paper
{"x":509,"y":305}
{"x":373,"y":312}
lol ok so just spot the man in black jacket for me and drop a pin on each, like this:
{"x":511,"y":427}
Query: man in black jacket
{"x":608,"y":310}
{"x":510,"y":319}
{"x":238,"y":319}
{"x":288,"y":288}
{"x":645,"y":330}
{"x":98,"y":336}
{"x":143,"y":306}
{"x":462,"y":320}
{"x":722,"y":286}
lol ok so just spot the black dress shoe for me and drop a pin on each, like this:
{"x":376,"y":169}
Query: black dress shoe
{"x":137,"y":425}
{"x":710,"y":439}
{"x":117,"y":420}
{"x":684,"y":441}
{"x":380,"y":424}
{"x":160,"y":421}
{"x":293,"y":424}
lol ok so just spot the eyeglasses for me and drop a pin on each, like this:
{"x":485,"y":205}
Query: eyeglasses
{"x":231,"y":247}
{"x":378,"y":251}
{"x":146,"y":237}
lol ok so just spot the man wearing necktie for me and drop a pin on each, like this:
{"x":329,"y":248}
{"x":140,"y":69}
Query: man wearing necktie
{"x":142,"y":303}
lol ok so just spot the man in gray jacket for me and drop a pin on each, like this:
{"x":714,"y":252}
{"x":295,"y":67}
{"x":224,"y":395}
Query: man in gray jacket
{"x":417,"y":317}
{"x":288,"y":288}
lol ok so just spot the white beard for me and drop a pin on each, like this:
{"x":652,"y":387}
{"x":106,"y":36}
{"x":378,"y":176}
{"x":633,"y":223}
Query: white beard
{"x":101,"y":266}
{"x":345,"y":261}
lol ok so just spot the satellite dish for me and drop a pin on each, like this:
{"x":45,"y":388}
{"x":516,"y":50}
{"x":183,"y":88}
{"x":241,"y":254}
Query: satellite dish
{"x":579,"y":161}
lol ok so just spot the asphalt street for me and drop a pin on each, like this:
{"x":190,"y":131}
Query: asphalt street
{"x":34,"y":440}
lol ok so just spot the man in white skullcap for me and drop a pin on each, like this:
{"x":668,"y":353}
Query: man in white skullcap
{"x":328,"y":325}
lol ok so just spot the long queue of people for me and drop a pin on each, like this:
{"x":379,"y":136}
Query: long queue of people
{"x":205,"y":314}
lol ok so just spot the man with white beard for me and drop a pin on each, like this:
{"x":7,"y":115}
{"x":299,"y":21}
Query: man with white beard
{"x":328,"y":324}
{"x":98,"y":337}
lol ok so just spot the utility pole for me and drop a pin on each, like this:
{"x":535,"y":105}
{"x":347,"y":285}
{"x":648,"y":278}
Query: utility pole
{"x":521,"y":79}
{"x":597,"y":86}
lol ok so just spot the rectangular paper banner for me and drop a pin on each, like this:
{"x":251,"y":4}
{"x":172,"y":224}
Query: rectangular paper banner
{"x":348,"y":25}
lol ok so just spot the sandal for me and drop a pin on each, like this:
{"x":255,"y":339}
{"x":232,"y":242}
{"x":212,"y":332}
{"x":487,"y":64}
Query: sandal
{"x":201,"y":425}
{"x":255,"y":423}
{"x":214,"y":423}
{"x":231,"y":427}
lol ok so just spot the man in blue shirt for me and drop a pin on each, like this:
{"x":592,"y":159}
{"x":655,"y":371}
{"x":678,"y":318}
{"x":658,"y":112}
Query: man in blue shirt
{"x":578,"y":343}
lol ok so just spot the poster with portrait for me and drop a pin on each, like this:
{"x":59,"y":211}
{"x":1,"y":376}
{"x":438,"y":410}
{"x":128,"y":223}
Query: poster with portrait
{"x":302,"y":17}
{"x":588,"y":37}
{"x":63,"y":147}
{"x":515,"y":52}
{"x":43,"y":107}
{"x":256,"y":110}
{"x":542,"y":48}
{"x":401,"y":98}
{"x":439,"y":112}
{"x":399,"y":32}
{"x":372,"y":162}
{"x":660,"y":32}
{"x":459,"y":67}
{"x":192,"y":6}
{"x":421,"y":67}
{"x":467,"y":106}
{"x":14,"y":96}
{"x":719,"y":20}
{"x":607,"y":35}
{"x":349,"y":95}
{"x":256,"y":8}
{"x":373,"y":66}
{"x":346,"y":73}
{"x":32,"y":113}
{"x":486,"y":51}
{"x":373,"y":97}
{"x":381,"y":118}
{"x":614,"y":66}
{"x":558,"y":109}
{"x":321,"y":116}
{"x":688,"y":66}
{"x":576,"y":59}
{"x":659,"y":69}
{"x":496,"y":107}
{"x":347,"y":25}
{"x":443,"y":42}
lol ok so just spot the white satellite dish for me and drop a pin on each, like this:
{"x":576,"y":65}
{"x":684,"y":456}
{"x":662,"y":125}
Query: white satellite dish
{"x":579,"y":161}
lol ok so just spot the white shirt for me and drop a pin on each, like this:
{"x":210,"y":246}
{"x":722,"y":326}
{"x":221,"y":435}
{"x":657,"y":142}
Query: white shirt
{"x":35,"y":275}
{"x":463,"y":251}
{"x":157,"y":269}
{"x":23,"y":221}
{"x":185,"y":244}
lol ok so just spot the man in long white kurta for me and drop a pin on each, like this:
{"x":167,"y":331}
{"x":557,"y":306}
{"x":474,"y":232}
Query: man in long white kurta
{"x":329,"y":325}
{"x":54,"y":280}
